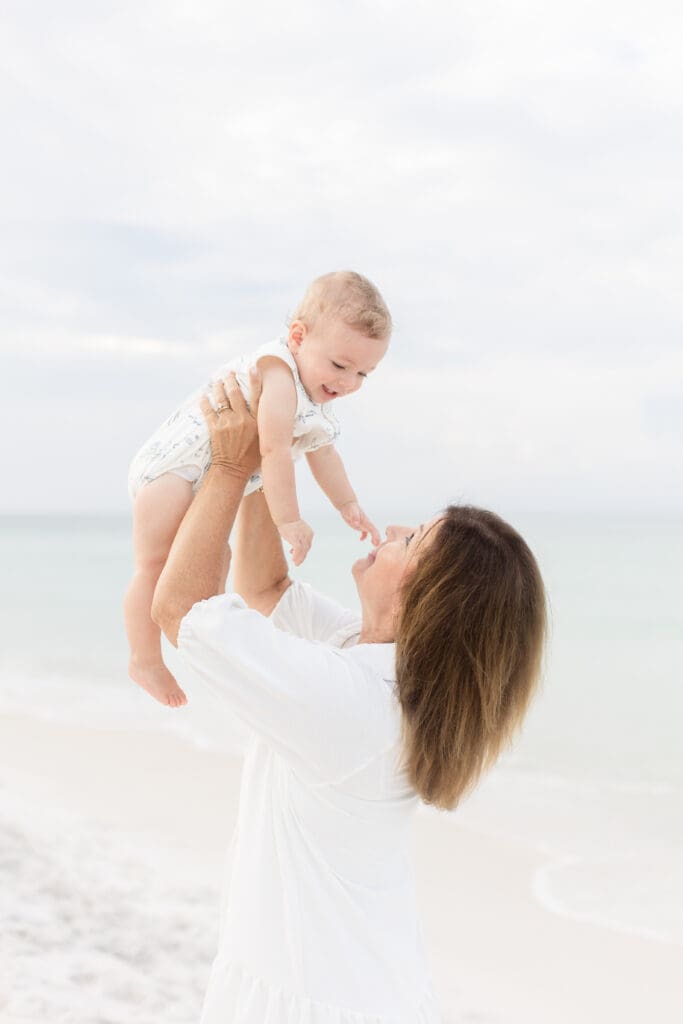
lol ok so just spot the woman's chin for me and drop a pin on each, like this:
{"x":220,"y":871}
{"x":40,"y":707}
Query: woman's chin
{"x":361,"y":565}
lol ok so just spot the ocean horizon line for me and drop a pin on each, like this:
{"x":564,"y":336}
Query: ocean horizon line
{"x":600,"y":514}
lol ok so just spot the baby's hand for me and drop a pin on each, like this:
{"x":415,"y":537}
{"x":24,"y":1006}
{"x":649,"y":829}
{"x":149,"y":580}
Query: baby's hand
{"x":299,"y":535}
{"x":354,"y":515}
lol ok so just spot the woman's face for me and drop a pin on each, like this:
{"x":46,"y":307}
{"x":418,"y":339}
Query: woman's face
{"x":378,"y":577}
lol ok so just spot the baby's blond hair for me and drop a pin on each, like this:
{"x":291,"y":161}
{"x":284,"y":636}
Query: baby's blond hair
{"x":347,"y":296}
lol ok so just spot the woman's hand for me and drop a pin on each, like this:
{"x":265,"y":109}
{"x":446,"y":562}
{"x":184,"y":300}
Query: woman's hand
{"x":232,"y":426}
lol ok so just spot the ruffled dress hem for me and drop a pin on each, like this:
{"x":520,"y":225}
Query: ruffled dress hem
{"x":239,"y":997}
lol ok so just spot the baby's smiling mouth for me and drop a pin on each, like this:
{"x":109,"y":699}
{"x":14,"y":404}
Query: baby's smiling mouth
{"x":329,"y":391}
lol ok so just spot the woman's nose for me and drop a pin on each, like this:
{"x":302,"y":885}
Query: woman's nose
{"x":394,"y":532}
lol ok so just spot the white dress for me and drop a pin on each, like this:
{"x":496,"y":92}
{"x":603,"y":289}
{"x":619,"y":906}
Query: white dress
{"x":319,"y":922}
{"x":181,"y":444}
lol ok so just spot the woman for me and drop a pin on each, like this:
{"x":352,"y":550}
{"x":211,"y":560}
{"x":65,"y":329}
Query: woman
{"x":352,"y":722}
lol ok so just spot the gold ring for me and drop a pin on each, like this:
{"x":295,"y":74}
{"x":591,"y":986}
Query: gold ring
{"x":222,"y":407}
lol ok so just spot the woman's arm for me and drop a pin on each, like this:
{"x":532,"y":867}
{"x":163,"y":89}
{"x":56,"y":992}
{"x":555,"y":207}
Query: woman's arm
{"x":326,"y":713}
{"x":259,"y":567}
{"x":198,"y":563}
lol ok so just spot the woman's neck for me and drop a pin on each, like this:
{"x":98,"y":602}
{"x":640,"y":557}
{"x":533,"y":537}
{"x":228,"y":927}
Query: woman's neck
{"x":380,"y":632}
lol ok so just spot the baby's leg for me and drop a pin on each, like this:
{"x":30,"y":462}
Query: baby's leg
{"x":158,"y":510}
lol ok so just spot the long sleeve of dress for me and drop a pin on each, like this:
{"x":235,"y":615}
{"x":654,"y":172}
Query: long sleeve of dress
{"x":320,"y":707}
{"x":314,"y":616}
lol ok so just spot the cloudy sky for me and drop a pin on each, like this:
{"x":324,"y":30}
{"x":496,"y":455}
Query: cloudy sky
{"x":509,"y":173}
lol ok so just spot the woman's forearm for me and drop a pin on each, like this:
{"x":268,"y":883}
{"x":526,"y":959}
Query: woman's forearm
{"x":259,"y":566}
{"x":199,"y":560}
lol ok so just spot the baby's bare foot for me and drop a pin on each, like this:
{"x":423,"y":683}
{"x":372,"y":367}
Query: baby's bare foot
{"x":158,"y":682}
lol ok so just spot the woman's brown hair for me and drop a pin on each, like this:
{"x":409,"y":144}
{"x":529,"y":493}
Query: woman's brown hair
{"x":469,"y":644}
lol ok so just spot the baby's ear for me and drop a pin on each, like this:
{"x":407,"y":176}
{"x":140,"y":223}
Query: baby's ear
{"x":297,"y":332}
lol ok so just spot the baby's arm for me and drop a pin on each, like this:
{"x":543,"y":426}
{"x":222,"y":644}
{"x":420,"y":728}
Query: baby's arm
{"x":276,"y":412}
{"x":328,"y":469}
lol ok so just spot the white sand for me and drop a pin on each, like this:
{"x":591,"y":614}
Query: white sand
{"x":496,"y":955}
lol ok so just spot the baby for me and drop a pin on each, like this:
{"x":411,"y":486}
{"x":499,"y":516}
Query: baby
{"x":339,"y":333}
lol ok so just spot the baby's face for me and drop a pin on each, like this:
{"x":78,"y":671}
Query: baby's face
{"x":333,"y":359}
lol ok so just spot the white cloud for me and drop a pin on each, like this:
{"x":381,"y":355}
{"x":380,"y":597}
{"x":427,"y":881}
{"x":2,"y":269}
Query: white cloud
{"x":508,"y":173}
{"x":62,"y":345}
{"x":534,"y":428}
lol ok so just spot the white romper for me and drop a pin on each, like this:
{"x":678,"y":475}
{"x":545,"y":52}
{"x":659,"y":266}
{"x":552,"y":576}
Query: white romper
{"x":319,"y":922}
{"x":181,"y":444}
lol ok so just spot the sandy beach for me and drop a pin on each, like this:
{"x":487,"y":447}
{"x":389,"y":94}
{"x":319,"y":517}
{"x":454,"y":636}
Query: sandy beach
{"x":115,"y":842}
